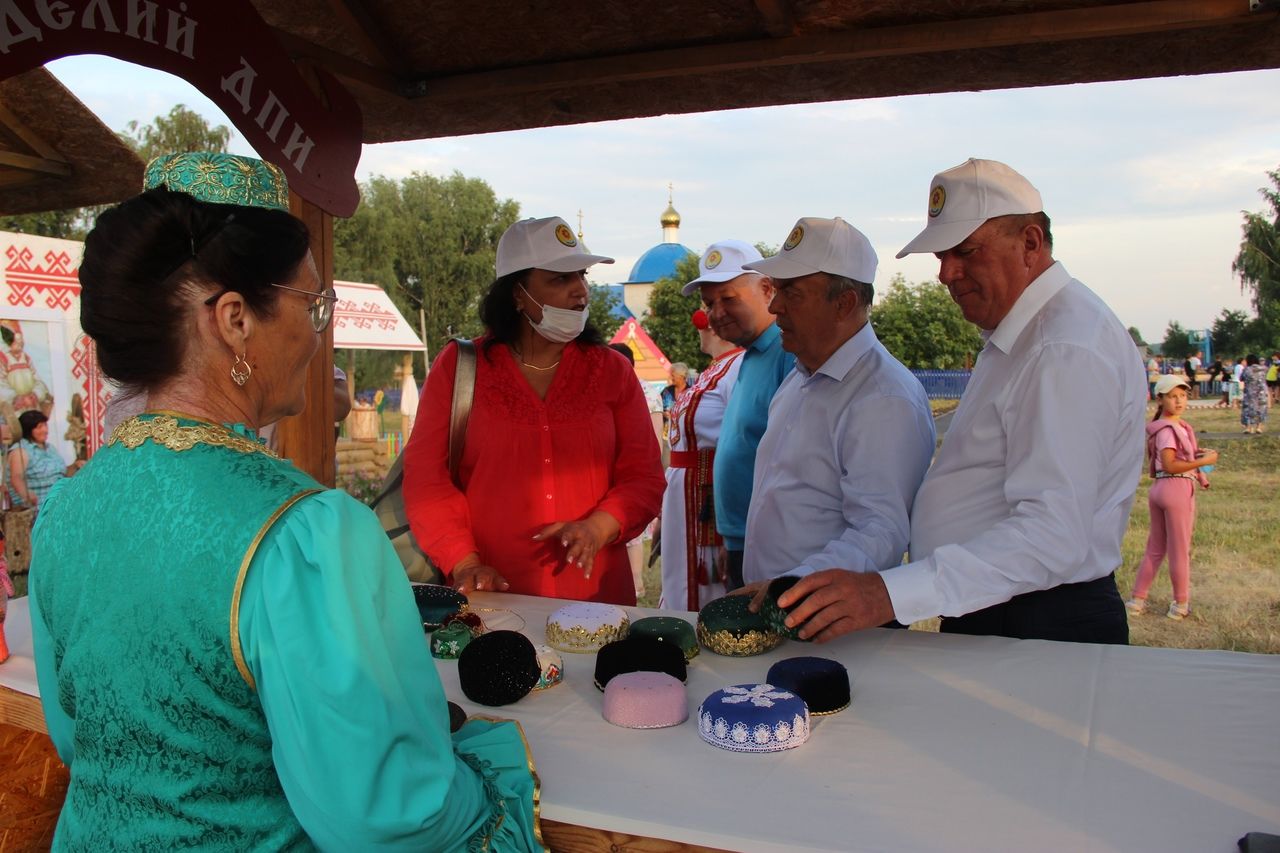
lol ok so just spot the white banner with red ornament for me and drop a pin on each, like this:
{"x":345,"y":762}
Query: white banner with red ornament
{"x":46,"y":361}
{"x":366,"y":318}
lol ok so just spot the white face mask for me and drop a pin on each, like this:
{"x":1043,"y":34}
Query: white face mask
{"x":559,"y":325}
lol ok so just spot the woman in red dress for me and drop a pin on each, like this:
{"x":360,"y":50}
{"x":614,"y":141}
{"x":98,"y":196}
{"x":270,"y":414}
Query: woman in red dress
{"x":560,"y":466}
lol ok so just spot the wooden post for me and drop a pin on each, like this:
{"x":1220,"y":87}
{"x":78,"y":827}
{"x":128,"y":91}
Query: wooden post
{"x":406,"y":417}
{"x":307,"y":438}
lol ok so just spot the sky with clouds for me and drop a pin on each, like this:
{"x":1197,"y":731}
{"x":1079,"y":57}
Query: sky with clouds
{"x":1144,"y":180}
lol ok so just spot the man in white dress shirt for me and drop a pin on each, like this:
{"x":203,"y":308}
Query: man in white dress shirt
{"x":1016,"y":529}
{"x":850,"y":432}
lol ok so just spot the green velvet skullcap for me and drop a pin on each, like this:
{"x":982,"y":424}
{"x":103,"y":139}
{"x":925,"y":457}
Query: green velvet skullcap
{"x":727,"y":627}
{"x":669,"y":629}
{"x":436,"y":603}
{"x":220,"y":179}
{"x":448,"y":642}
{"x":774,"y":613}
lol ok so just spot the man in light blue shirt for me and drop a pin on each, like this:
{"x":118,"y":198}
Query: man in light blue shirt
{"x":737,"y":301}
{"x":850,"y":431}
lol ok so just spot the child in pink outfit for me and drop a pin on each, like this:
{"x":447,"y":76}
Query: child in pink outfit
{"x":1176,"y":462}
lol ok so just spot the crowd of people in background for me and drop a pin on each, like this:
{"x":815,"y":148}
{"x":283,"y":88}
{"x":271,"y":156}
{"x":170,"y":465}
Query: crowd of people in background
{"x":1250,"y":383}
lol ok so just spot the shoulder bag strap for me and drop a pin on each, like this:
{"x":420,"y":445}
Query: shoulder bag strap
{"x":1151,"y":447}
{"x":464,"y":381}
{"x":464,"y":392}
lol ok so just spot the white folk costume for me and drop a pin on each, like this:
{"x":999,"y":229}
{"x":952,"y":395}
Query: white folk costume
{"x":20,"y":385}
{"x":689,"y":539}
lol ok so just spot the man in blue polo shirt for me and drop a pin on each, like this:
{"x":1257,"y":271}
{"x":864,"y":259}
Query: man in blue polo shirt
{"x":737,"y":303}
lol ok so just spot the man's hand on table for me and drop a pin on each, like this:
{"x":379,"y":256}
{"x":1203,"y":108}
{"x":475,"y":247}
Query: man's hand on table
{"x":835,"y":602}
{"x":471,"y":575}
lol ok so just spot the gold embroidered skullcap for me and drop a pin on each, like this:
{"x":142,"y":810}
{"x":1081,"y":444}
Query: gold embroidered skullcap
{"x":220,"y":179}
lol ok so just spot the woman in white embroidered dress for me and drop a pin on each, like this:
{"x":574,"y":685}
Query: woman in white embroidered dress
{"x":692,"y":568}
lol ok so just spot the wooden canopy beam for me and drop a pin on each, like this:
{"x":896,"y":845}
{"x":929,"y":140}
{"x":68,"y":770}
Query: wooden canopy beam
{"x":1095,"y":22}
{"x":778,"y":18}
{"x":302,"y":51}
{"x":27,"y":163}
{"x":30,"y":138}
{"x":8,"y":179}
{"x":361,"y":25}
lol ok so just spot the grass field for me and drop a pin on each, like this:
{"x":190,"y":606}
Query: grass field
{"x":1235,"y":558}
{"x":1235,"y":564}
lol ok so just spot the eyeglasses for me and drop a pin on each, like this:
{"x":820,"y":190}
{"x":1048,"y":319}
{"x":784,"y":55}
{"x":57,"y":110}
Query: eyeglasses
{"x":320,"y":309}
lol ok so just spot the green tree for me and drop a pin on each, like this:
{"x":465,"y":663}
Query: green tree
{"x":1137,"y":336}
{"x":923,"y":328}
{"x":603,"y":303}
{"x":1260,"y":337}
{"x":181,"y":130}
{"x":1228,"y":333}
{"x":1258,"y":263}
{"x":1175,"y":344}
{"x":431,"y":243}
{"x":66,"y":224}
{"x":669,"y":311}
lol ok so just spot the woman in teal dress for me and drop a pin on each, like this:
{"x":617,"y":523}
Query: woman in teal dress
{"x":229,"y":655}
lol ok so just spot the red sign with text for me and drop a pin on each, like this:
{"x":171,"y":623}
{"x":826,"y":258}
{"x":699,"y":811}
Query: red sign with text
{"x":224,"y":49}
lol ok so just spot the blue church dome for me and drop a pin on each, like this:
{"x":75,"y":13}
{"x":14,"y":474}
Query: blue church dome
{"x":620,"y":309}
{"x":658,"y":262}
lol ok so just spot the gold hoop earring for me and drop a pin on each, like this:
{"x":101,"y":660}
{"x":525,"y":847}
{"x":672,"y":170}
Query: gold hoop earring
{"x":240,"y":375}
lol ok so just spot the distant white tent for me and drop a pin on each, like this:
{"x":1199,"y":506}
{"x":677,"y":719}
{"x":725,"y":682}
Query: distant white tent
{"x":366,"y":318}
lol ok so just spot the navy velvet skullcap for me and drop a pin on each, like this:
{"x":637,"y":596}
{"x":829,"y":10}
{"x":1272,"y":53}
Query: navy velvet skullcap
{"x":822,"y":683}
{"x":639,"y":654}
{"x":498,"y":668}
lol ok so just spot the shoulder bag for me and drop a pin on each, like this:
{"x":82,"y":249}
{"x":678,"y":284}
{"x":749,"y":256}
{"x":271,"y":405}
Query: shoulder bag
{"x":389,"y":504}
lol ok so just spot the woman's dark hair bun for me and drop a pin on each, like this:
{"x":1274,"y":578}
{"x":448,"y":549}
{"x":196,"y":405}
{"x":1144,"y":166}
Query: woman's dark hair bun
{"x":147,"y":259}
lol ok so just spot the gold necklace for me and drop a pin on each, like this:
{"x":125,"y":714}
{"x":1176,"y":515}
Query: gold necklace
{"x":551,"y":366}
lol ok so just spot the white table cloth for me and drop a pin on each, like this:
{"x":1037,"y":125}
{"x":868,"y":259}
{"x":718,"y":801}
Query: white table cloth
{"x":19,"y":672}
{"x":951,"y":743}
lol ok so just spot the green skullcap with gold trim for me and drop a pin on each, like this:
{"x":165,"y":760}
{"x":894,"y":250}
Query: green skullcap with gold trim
{"x":220,"y":179}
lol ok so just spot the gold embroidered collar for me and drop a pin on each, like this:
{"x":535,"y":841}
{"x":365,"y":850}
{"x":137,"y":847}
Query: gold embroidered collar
{"x":163,"y":429}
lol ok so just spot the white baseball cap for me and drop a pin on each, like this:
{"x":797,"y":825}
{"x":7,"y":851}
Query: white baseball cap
{"x":822,"y":245}
{"x":963,"y":197}
{"x":1169,"y":381}
{"x":545,"y":244}
{"x":722,"y":261}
